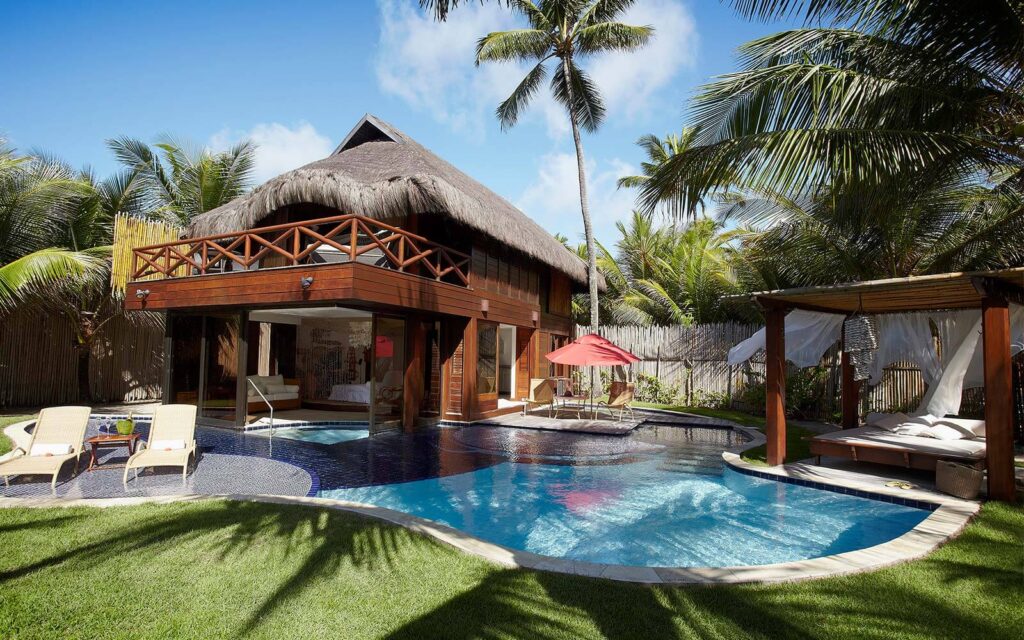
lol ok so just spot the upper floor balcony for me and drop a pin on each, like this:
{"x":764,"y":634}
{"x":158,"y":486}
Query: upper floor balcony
{"x":322,"y":241}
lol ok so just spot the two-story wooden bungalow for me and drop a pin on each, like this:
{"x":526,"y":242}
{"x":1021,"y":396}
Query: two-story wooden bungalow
{"x":379,"y":283}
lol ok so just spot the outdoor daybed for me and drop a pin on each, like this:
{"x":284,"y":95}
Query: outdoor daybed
{"x":913,"y":443}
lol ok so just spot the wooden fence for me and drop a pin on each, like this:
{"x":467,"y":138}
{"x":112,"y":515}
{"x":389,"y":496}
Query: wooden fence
{"x":693,"y":360}
{"x":38,"y":363}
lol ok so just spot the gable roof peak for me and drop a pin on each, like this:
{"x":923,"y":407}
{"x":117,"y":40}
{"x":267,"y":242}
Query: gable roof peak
{"x":370,"y":128}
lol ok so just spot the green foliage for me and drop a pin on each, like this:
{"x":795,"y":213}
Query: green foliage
{"x":665,"y":275}
{"x":806,"y":389}
{"x":187,"y":180}
{"x":709,"y":399}
{"x":651,"y":389}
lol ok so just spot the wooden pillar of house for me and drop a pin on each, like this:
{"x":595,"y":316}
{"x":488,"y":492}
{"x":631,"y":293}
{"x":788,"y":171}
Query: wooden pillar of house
{"x":850,"y":393}
{"x":995,"y":313}
{"x":414,"y":367}
{"x":775,"y":382}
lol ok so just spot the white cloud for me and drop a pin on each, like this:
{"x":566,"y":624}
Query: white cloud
{"x":279,"y":148}
{"x":629,"y":81}
{"x":430,"y":65}
{"x":554,"y":198}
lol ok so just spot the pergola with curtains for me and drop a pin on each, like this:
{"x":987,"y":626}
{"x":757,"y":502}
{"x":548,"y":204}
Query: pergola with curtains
{"x":990,"y":291}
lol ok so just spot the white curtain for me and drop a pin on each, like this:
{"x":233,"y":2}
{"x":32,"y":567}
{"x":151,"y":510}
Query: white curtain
{"x":809,"y":334}
{"x":905,"y":337}
{"x":959,"y":332}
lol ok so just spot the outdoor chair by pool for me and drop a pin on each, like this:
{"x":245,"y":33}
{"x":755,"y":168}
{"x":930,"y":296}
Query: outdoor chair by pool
{"x":620,"y":397}
{"x":542,"y":394}
{"x":172,"y":441}
{"x":56,"y":439}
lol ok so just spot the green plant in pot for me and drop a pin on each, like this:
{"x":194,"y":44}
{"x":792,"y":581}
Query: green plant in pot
{"x":126,"y":426}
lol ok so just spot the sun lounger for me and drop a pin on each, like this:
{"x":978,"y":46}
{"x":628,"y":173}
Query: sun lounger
{"x":171,"y":443}
{"x":620,"y":396}
{"x":542,"y":394}
{"x":56,"y":439}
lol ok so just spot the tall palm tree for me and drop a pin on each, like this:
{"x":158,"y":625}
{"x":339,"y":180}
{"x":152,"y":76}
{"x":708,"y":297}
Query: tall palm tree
{"x":564,"y":31}
{"x":188,"y":180}
{"x":885,"y":87}
{"x":658,"y":152}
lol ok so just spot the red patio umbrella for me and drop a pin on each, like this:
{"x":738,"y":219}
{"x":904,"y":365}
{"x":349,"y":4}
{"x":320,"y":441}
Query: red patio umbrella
{"x":592,"y":350}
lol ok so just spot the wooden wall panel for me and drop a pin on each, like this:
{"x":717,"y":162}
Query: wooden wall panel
{"x":524,"y":342}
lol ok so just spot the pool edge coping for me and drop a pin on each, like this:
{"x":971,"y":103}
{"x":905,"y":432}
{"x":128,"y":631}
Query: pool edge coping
{"x":941,"y":525}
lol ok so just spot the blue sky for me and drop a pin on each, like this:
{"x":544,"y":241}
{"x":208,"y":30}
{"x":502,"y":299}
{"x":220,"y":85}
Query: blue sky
{"x":297,"y":76}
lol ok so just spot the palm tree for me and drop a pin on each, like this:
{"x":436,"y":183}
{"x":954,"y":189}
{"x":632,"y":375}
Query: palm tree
{"x":885,"y":88}
{"x":37,"y":201}
{"x":935,"y":223}
{"x":565,"y":31}
{"x":675,"y":274}
{"x":658,"y":152}
{"x":188,"y":180}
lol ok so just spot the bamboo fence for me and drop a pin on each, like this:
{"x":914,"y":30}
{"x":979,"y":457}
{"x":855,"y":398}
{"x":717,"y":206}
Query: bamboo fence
{"x":693,"y":360}
{"x":131,"y":232}
{"x":39,"y":365}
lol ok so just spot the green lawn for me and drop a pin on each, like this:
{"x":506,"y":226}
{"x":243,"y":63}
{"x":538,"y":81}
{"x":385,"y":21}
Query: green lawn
{"x":797,"y":446}
{"x":220,"y":569}
{"x":5,"y":442}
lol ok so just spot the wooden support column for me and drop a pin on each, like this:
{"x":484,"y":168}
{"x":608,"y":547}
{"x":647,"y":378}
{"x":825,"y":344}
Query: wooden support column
{"x":851,"y":394}
{"x":775,"y":383}
{"x":995,"y":313}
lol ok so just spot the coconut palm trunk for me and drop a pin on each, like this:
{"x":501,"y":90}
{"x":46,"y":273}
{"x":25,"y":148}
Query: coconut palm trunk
{"x":588,"y":231}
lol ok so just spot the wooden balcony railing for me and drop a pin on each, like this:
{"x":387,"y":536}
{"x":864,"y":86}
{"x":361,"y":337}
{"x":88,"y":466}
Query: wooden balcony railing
{"x":345,"y":238}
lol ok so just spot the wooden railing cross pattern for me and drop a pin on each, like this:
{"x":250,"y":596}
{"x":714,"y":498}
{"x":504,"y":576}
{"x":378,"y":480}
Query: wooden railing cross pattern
{"x":296,"y":243}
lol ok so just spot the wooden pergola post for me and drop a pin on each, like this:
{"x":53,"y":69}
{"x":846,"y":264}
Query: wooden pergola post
{"x":850,"y":390}
{"x":775,"y":382}
{"x":995,"y":314}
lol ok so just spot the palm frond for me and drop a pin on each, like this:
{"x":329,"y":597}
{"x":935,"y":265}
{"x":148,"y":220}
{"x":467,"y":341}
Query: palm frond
{"x":511,"y":108}
{"x":612,"y":36}
{"x":518,"y":44}
{"x":586,"y":104}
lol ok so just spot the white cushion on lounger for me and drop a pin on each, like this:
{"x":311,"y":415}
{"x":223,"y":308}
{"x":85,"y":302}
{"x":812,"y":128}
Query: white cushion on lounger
{"x":167,"y":445}
{"x":970,"y":449}
{"x":50,"y":449}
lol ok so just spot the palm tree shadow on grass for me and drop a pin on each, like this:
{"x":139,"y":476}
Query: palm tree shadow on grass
{"x":325,"y":539}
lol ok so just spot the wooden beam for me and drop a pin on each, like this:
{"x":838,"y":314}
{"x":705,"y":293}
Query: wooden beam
{"x":851,"y":394}
{"x":996,"y":288}
{"x":241,"y":379}
{"x":775,"y":383}
{"x":995,"y":313}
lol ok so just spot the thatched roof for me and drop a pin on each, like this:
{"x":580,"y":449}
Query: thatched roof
{"x":378,"y":171}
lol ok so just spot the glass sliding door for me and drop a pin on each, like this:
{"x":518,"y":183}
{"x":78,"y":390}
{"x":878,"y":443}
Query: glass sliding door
{"x":388,"y":372}
{"x":185,"y":359}
{"x":221,"y":368}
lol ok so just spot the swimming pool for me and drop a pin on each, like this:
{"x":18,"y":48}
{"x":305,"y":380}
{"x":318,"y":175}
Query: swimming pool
{"x":319,"y":435}
{"x":660,"y":497}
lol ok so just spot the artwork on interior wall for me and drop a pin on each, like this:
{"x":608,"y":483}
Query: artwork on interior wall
{"x":333,"y":353}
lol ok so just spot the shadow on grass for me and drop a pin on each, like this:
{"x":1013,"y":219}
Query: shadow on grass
{"x":971,"y":588}
{"x":321,"y":539}
{"x":957,"y":593}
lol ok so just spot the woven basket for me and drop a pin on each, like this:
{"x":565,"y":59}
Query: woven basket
{"x":958,"y":480}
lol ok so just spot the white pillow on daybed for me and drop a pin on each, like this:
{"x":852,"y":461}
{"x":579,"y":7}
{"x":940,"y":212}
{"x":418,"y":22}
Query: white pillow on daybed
{"x":945,"y":432}
{"x":886,"y":421}
{"x":975,"y":427}
{"x":913,"y":430}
